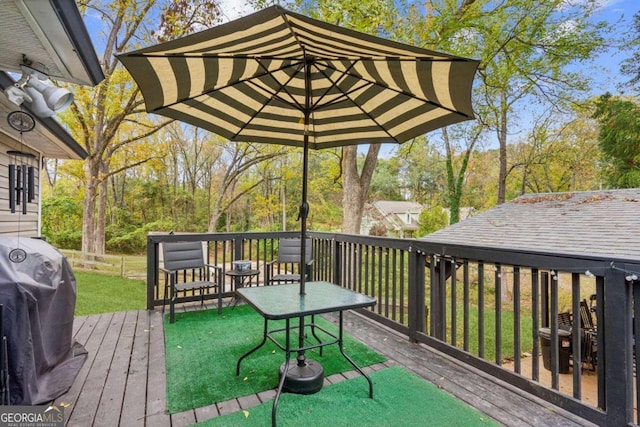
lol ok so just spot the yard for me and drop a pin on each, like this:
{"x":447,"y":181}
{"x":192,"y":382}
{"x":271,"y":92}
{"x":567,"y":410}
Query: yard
{"x":101,"y":293}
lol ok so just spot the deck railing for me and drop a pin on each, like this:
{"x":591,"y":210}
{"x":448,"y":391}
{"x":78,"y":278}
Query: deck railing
{"x":485,"y":307}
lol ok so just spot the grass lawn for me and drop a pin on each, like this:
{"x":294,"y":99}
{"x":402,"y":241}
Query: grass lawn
{"x":100,"y":293}
{"x":507,"y":339}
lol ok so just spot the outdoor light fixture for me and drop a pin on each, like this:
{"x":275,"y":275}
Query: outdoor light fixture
{"x":36,"y":91}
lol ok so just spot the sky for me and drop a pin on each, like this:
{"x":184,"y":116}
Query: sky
{"x":618,"y":12}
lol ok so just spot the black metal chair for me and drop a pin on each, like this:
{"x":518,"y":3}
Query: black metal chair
{"x":186,"y":271}
{"x":285,"y":269}
{"x":588,"y":333}
{"x":589,"y":338}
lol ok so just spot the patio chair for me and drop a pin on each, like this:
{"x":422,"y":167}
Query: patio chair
{"x":185,"y":271}
{"x":588,"y":347}
{"x":284,"y":269}
{"x":590,"y":334}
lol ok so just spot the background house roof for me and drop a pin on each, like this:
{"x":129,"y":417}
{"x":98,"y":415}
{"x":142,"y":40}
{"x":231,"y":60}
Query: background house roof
{"x":52,"y":34}
{"x":592,"y":223}
{"x":395,"y":213}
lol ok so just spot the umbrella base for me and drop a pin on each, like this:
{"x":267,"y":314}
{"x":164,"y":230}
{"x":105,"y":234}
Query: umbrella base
{"x":306,"y":378}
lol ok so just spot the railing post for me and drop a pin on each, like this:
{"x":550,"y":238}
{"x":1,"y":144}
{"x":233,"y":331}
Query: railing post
{"x":438,"y":277}
{"x":237,"y":248}
{"x":337,"y":266}
{"x":617,"y":347}
{"x":416,"y":282}
{"x":152,"y":271}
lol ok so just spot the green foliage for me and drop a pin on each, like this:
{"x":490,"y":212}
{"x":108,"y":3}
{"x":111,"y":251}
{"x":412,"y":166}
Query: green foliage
{"x":67,"y":239}
{"x":188,"y":180}
{"x":525,"y":47}
{"x":135,"y":240}
{"x":631,"y":66}
{"x":619,"y":140}
{"x":62,"y":222}
{"x":385,"y":184}
{"x":99,"y":293}
{"x":432,"y":219}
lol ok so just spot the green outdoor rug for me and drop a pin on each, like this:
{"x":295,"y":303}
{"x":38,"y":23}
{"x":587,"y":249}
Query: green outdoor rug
{"x":399,"y":399}
{"x":202,"y":349}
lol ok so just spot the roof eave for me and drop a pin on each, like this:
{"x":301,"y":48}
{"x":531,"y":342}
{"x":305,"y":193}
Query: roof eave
{"x":50,"y":124}
{"x":70,"y":17}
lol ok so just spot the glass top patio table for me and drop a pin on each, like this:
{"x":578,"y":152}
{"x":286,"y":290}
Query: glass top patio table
{"x":278,"y":302}
{"x":284,"y":301}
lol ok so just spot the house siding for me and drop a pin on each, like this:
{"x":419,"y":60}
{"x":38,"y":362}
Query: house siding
{"x":17,"y":223}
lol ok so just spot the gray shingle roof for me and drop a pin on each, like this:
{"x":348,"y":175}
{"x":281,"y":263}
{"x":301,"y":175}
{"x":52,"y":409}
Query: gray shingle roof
{"x":591,"y":223}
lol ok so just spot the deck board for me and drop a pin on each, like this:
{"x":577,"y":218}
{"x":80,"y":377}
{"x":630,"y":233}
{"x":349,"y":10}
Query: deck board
{"x":90,"y":335}
{"x":123,"y":382}
{"x":135,"y":393}
{"x":156,"y":384}
{"x":91,"y":394}
{"x":112,"y":395}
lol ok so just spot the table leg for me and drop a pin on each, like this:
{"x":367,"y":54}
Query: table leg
{"x":235,"y":296}
{"x":172,"y":302}
{"x":351,"y":360}
{"x":283,"y":376}
{"x":264,"y":340}
{"x":313,"y":332}
{"x":220,"y":286}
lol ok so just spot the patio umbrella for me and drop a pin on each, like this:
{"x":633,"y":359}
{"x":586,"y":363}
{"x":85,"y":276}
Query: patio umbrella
{"x":278,"y":77}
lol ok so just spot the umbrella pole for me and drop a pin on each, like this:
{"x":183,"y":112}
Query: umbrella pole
{"x":304,"y":205}
{"x":306,"y":376}
{"x":303,"y":213}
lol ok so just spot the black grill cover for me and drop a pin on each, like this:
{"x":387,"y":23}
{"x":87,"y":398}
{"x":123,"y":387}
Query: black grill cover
{"x":39,"y":298}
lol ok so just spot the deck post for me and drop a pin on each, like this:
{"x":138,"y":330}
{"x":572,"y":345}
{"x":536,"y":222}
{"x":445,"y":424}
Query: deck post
{"x":152,"y":271}
{"x":416,"y":281}
{"x":337,"y":258}
{"x":618,"y":347}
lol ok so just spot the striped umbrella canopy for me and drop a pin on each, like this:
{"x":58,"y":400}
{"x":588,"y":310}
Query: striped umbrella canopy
{"x":283,"y":78}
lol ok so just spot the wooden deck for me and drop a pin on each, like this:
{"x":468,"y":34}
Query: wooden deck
{"x":122,"y":382}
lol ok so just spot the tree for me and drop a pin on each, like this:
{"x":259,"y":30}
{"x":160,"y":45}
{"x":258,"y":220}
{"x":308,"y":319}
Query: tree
{"x":631,"y":66}
{"x":238,"y":158}
{"x":619,"y":140}
{"x":560,"y":154}
{"x":108,"y":119}
{"x":524,"y":47}
{"x":455,"y":180}
{"x":422,"y":172}
{"x":432,"y":219}
{"x":385,"y":183}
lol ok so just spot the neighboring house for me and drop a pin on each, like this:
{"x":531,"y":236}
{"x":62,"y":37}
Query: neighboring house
{"x":398,"y":218}
{"x":591,"y":223}
{"x":49,"y":33}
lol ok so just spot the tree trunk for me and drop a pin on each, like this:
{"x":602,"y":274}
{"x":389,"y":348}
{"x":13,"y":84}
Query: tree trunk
{"x":502,"y":138}
{"x":356,"y":186}
{"x":89,"y":205}
{"x":453,"y":195}
{"x":101,"y":220}
{"x":215,"y":216}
